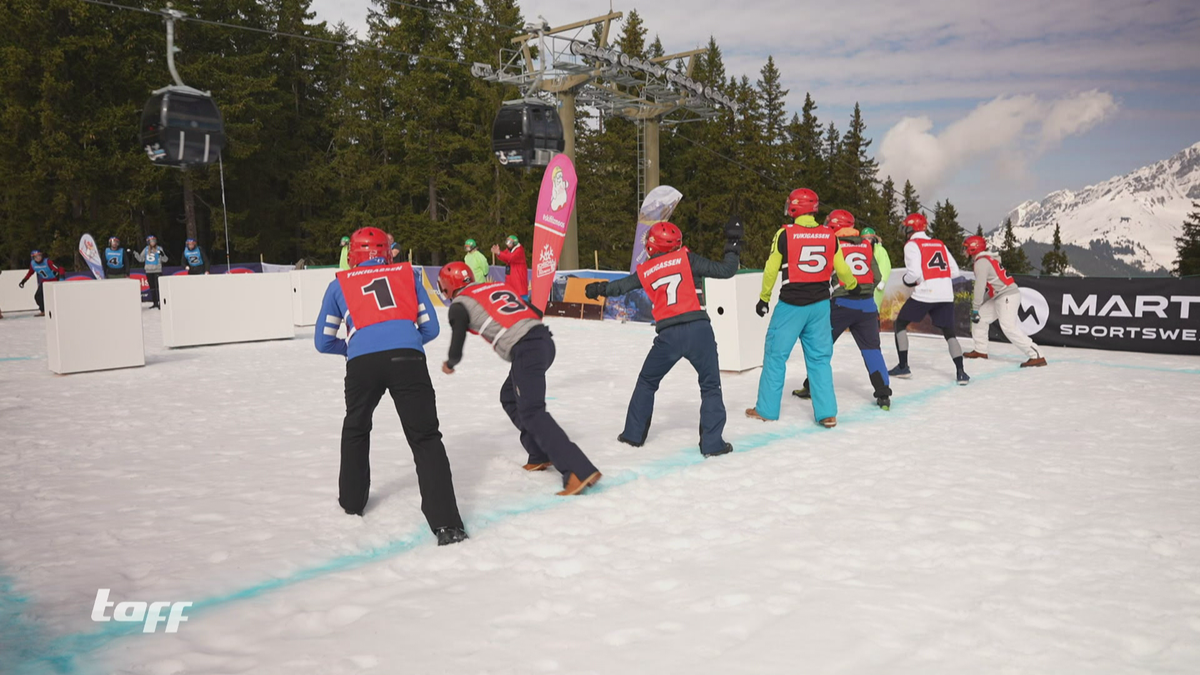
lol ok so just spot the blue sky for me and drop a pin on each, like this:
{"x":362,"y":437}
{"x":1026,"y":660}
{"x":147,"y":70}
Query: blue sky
{"x":982,"y":102}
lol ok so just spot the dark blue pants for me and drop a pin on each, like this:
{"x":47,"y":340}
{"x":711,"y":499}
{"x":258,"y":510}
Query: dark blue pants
{"x":523,"y":397}
{"x":695,"y":342}
{"x":862,"y":319}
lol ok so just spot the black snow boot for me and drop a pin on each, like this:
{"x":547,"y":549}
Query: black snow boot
{"x":450,"y":535}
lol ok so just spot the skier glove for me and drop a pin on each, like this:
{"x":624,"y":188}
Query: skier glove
{"x":762,"y":308}
{"x":595,"y":289}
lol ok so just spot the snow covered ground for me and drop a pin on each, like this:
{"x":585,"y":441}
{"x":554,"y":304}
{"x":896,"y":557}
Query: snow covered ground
{"x":1043,"y":521}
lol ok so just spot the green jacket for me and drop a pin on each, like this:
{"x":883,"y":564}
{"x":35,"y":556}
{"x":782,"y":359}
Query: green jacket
{"x":885,"y":271}
{"x":344,"y":262}
{"x":478,"y":263}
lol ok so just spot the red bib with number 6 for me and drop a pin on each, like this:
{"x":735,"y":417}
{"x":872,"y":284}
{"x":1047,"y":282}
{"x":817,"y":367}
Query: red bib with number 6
{"x":668,"y":281}
{"x":934,"y":259}
{"x":859,"y":257}
{"x":500,"y":302}
{"x":379,"y":293}
{"x":810,"y":254}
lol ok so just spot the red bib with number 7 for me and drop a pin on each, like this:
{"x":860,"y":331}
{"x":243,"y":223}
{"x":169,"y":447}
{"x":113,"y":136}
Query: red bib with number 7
{"x":860,"y":258}
{"x":668,"y":281}
{"x":810,"y":254}
{"x":500,"y":302}
{"x":934,"y":259}
{"x":379,"y":293}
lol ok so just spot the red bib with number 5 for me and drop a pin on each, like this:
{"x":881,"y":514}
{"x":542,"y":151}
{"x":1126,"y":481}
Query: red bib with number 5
{"x":934,"y":259}
{"x":500,"y":302}
{"x":379,"y":293}
{"x":860,"y":258}
{"x":810,"y":254}
{"x":668,"y":281}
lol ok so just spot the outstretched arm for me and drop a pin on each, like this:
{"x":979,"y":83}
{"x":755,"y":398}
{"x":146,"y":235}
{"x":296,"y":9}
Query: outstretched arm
{"x":460,"y":321}
{"x":325,"y":336}
{"x":703,"y":267}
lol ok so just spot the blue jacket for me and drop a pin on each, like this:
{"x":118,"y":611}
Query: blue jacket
{"x":379,"y":337}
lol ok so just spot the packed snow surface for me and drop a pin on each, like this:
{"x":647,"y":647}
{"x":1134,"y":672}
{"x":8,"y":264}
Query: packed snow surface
{"x":1036,"y":521}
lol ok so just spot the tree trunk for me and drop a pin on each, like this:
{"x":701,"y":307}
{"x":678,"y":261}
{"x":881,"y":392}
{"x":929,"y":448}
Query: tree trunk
{"x":189,"y":205}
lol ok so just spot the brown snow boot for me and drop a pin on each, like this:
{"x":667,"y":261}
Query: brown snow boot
{"x":974,"y":355}
{"x":752,"y":413}
{"x":1035,"y":363}
{"x":574,"y":486}
{"x":538,"y":466}
{"x":828,"y":422}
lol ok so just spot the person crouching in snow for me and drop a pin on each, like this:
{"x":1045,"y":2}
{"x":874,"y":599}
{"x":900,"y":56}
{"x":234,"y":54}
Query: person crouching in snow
{"x":996,"y":297}
{"x":494,"y":312}
{"x":683,"y":329}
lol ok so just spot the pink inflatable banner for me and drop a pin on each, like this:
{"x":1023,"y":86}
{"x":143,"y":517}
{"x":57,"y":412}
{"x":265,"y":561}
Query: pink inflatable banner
{"x":555,"y":202}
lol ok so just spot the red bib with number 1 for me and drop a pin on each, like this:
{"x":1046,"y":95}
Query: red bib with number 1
{"x":668,"y":281}
{"x":379,"y":293}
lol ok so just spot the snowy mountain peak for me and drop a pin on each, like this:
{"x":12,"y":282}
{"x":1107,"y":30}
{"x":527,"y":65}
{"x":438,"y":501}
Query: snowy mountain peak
{"x":1131,"y":219}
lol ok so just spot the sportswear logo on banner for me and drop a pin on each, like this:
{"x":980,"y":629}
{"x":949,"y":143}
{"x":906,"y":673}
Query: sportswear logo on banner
{"x":1034,"y":311}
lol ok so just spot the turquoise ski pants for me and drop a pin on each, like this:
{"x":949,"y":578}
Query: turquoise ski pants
{"x":810,"y":325}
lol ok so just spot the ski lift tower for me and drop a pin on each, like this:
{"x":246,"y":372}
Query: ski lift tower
{"x":577,"y":72}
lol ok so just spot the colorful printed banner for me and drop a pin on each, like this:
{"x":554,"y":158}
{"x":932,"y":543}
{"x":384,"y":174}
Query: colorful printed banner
{"x":656,"y":207}
{"x":91,"y":255}
{"x":555,"y":203}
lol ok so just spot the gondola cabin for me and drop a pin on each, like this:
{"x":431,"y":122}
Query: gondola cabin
{"x":182,"y":127}
{"x":527,"y":133}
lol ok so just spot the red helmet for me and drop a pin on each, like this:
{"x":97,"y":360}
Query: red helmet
{"x":916,"y":222}
{"x":454,"y":277}
{"x":839,"y":218}
{"x":802,"y":201}
{"x":663,"y":237}
{"x":367,"y":243}
{"x":975,"y":244}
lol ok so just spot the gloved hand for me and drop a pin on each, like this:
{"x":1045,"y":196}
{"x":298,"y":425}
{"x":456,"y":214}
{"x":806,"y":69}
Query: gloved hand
{"x":734,"y":229}
{"x":733,"y":246}
{"x":974,"y":316}
{"x":596,"y":289}
{"x":22,"y":284}
{"x":855,"y":292}
{"x":762,"y":308}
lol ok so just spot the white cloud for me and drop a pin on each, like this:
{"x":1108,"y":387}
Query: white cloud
{"x":1003,"y":134}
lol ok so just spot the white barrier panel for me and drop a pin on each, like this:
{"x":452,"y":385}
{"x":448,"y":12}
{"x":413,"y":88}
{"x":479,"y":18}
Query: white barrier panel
{"x":220,"y":308}
{"x":308,"y":290}
{"x":13,"y":298}
{"x":741,"y":333}
{"x":94,"y":325}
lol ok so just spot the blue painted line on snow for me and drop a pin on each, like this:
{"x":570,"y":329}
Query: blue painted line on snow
{"x":61,"y":655}
{"x":17,"y":358}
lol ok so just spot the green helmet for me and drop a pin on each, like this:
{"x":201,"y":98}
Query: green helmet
{"x":513,"y":239}
{"x":867,"y":232}
{"x":345,"y":240}
{"x":470,"y":243}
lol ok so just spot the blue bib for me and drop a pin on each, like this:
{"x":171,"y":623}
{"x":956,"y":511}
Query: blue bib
{"x":193,"y":257}
{"x":151,"y":256}
{"x":115,"y":259}
{"x":43,"y":269}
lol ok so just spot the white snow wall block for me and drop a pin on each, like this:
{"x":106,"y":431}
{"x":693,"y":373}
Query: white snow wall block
{"x":13,"y":298}
{"x":741,"y":333}
{"x":308,"y":290}
{"x":93,"y":325}
{"x":215,"y":309}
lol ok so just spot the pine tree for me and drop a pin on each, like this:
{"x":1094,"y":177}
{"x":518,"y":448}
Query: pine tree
{"x":979,"y":230}
{"x":946,"y":228}
{"x":1012,"y":256}
{"x":1188,"y":245}
{"x":1055,"y":262}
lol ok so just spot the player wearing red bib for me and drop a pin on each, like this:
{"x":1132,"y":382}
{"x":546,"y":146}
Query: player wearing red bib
{"x":996,"y":297}
{"x":494,"y":312}
{"x":809,"y":256}
{"x":683,"y":329}
{"x":388,"y":319}
{"x":855,"y":310}
{"x":929,"y":270}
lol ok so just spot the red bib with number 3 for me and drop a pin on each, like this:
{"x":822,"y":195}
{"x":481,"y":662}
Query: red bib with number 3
{"x":810,"y":254}
{"x":1005,"y":277}
{"x":668,"y":281}
{"x":934,"y":259}
{"x":500,"y":302}
{"x":379,"y":293}
{"x":860,"y":258}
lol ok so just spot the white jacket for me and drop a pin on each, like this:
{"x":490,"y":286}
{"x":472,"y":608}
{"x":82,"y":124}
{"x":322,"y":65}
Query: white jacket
{"x":932,"y":290}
